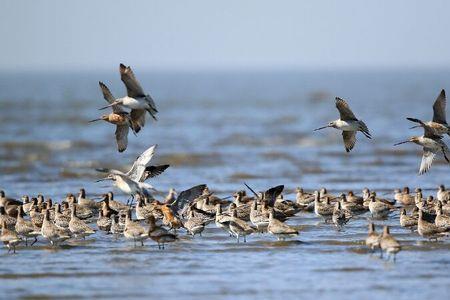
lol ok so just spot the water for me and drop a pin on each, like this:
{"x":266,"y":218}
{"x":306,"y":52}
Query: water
{"x":223,"y":129}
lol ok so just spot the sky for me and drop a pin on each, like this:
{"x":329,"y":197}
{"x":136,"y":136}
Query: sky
{"x":216,"y":35}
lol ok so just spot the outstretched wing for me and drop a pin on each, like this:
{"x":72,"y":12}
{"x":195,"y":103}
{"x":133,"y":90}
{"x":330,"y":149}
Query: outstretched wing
{"x":122,"y":137}
{"x":344,"y":110}
{"x":427,"y":160}
{"x":139,"y":165}
{"x":349,"y":139}
{"x":439,"y":109}
{"x":134,"y":89}
{"x":187,"y":196}
{"x":137,"y":119}
{"x":152,"y":171}
{"x":271,"y":194}
{"x":110,"y":98}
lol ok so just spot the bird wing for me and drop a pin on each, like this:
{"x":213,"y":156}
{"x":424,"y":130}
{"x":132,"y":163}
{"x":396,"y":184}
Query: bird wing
{"x":109,"y":171}
{"x":134,"y":89}
{"x":107,"y":95}
{"x":439,"y":109}
{"x":152,"y":171}
{"x":188,"y":196}
{"x":139,"y":165}
{"x":122,"y":137}
{"x":271,"y":194}
{"x":427,"y":160}
{"x":349,"y":139}
{"x":344,"y":110}
{"x":137,"y":118}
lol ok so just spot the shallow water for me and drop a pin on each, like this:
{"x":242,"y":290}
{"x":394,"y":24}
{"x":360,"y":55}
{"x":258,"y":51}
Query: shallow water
{"x":223,"y":129}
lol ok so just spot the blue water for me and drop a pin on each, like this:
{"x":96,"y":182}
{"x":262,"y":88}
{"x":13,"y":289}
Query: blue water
{"x":223,"y":129}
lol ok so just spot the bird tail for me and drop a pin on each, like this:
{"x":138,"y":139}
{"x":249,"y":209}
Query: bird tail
{"x":363,"y":128}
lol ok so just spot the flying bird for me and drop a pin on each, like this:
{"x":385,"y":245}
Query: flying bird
{"x":118,"y":117}
{"x":137,"y":100}
{"x":432,"y":144}
{"x":348,"y":123}
{"x":132,"y":182}
{"x":438,"y":126}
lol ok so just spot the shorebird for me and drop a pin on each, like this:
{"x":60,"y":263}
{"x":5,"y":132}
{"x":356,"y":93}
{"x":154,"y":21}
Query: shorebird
{"x":348,"y":123}
{"x":405,"y":197}
{"x":61,"y":220}
{"x":239,"y":227}
{"x":223,"y":220}
{"x":51,"y":232}
{"x":407,"y":221}
{"x":389,"y":244}
{"x":83,"y":201}
{"x":132,"y":182}
{"x":429,"y":230}
{"x":9,"y":237}
{"x":137,"y":100}
{"x":431,"y":143}
{"x":9,"y":221}
{"x":442,"y":194}
{"x":25,"y":228}
{"x":340,"y":216}
{"x":78,"y":227}
{"x":438,"y":126}
{"x":118,"y":117}
{"x":323,"y":209}
{"x":169,"y":218}
{"x":379,"y":209}
{"x":373,"y":238}
{"x":279,"y":229}
{"x":133,"y":230}
{"x":159,"y":234}
{"x":103,"y":223}
{"x":116,"y":227}
{"x":442,"y":221}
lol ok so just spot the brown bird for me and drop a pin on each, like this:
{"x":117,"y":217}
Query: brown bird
{"x":118,"y":117}
{"x":389,"y":244}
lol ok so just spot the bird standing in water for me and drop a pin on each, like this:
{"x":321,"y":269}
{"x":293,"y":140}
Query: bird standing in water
{"x":348,"y":123}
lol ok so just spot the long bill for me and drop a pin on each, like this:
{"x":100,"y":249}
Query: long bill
{"x":320,"y":128}
{"x":103,"y":179}
{"x":110,"y":105}
{"x":404,"y":142}
{"x":95,"y":120}
{"x":254,"y":193}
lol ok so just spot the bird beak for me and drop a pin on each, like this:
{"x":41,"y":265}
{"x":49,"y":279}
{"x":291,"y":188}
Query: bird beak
{"x":95,"y":120}
{"x":103,"y":179}
{"x":320,"y":128}
{"x":112,"y":104}
{"x":414,"y":127}
{"x":404,"y":142}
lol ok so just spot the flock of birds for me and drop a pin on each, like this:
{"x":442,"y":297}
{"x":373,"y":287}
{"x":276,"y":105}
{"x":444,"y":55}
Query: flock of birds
{"x":144,"y":217}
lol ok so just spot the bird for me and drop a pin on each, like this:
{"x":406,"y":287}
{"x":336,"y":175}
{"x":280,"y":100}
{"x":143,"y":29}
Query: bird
{"x":323,"y":209}
{"x":348,"y":123}
{"x":194,"y":224}
{"x":132,"y":182}
{"x":431,"y":143}
{"x":78,"y":227}
{"x":428,"y":229}
{"x":118,"y":117}
{"x":442,"y":194}
{"x":9,"y":237}
{"x":137,"y":100}
{"x":340,"y":216}
{"x":103,"y":223}
{"x":377,"y":208}
{"x":438,"y":126}
{"x":407,"y":221}
{"x":279,"y":229}
{"x":389,"y":244}
{"x":373,"y":238}
{"x":133,"y":230}
{"x":239,"y":227}
{"x":25,"y":228}
{"x":159,"y":234}
{"x":442,"y":221}
{"x":51,"y":232}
